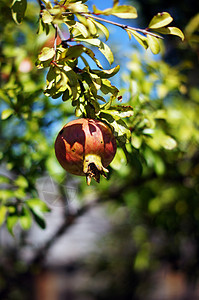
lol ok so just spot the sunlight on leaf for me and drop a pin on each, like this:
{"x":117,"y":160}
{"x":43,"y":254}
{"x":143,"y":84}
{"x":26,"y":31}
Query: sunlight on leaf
{"x":160,"y":20}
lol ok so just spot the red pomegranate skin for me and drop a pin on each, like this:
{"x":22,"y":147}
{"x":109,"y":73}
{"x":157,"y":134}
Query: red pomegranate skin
{"x":85,"y":141}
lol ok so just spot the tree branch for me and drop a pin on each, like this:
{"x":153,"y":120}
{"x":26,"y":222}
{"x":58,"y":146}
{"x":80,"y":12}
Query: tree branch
{"x":91,"y":15}
{"x":112,"y":195}
{"x":68,"y":222}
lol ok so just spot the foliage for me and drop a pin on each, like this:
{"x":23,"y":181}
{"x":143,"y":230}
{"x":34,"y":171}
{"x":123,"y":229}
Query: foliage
{"x":152,"y":192}
{"x":85,"y":87}
{"x":155,"y":215}
{"x":26,"y":151}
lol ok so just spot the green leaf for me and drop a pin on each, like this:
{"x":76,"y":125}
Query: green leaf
{"x":106,"y":51}
{"x":37,"y":204}
{"x":11,"y":221}
{"x":121,"y":130}
{"x":100,"y":98}
{"x":160,"y":20}
{"x":90,"y":53}
{"x":6,"y":194}
{"x":171,"y":30}
{"x":4,"y":97}
{"x":25,"y":219}
{"x":37,"y":208}
{"x":107,"y":87}
{"x":86,"y":76}
{"x":103,"y":28}
{"x":74,"y":51}
{"x":21,"y":182}
{"x":142,"y":40}
{"x":121,"y":11}
{"x":4,"y":179}
{"x":96,"y":81}
{"x":46,"y":54}
{"x":119,"y":160}
{"x":121,"y":111}
{"x":62,"y":84}
{"x":39,"y":219}
{"x":18,"y":9}
{"x":106,"y":73}
{"x":6,"y":113}
{"x":3,"y":211}
{"x":153,"y":44}
{"x":67,"y":94}
{"x":51,"y":75}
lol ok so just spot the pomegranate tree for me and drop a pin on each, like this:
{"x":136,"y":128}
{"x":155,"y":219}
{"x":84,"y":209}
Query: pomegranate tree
{"x":85,"y":147}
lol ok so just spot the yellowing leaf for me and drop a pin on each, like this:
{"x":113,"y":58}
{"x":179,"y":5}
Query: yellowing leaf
{"x":121,"y":11}
{"x":46,"y":54}
{"x":121,"y":130}
{"x":129,"y":33}
{"x":47,"y":17}
{"x":160,"y":20}
{"x":90,"y":53}
{"x":77,"y":7}
{"x":6,"y":113}
{"x":103,"y":28}
{"x":171,"y":30}
{"x":142,"y":40}
{"x":91,"y":26}
{"x":153,"y":44}
{"x":106,"y":51}
{"x":107,"y":87}
{"x":122,"y":111}
{"x":83,"y":30}
{"x":106,"y":73}
{"x":124,"y":12}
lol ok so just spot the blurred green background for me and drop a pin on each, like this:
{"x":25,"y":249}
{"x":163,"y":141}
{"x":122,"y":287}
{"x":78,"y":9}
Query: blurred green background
{"x":134,"y":236}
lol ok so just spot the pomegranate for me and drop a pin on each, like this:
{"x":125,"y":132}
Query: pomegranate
{"x":85,"y":147}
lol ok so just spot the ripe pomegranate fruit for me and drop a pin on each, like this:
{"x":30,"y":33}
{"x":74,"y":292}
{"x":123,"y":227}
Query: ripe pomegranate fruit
{"x":85,"y":147}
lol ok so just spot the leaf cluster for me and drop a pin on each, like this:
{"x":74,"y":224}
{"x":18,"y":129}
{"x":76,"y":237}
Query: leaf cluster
{"x":14,"y":210}
{"x":86,"y":87}
{"x":76,"y":75}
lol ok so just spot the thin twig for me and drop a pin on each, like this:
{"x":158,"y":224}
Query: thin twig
{"x":144,"y":31}
{"x":114,"y":194}
{"x":55,"y":42}
{"x":91,"y":15}
{"x":62,"y":229}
